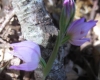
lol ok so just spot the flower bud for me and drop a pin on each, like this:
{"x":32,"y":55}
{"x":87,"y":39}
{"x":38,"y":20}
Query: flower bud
{"x":69,"y":7}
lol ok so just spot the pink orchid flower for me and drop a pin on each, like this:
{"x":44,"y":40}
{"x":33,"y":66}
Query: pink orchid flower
{"x":78,"y":30}
{"x":27,"y":51}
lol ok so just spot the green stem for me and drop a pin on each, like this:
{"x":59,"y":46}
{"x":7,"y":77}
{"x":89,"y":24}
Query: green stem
{"x":52,"y":57}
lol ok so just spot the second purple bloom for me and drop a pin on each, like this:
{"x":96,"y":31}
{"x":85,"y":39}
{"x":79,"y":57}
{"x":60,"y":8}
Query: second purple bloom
{"x":78,"y":30}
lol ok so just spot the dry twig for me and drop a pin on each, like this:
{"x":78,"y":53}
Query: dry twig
{"x":7,"y":19}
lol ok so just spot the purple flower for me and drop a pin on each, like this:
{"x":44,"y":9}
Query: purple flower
{"x":69,"y":7}
{"x":27,"y":51}
{"x":78,"y":30}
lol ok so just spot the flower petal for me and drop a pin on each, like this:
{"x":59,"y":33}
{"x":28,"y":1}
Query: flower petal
{"x":79,"y":42}
{"x":26,"y":54}
{"x":65,"y":1}
{"x":89,"y":25}
{"x":82,"y":29}
{"x":28,"y":44}
{"x":75,"y":24}
{"x":26,"y":66}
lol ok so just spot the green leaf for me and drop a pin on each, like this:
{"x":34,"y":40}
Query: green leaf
{"x":42,"y":62}
{"x":63,"y":22}
{"x":65,"y":39}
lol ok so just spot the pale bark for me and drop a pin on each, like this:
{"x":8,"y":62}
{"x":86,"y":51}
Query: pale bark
{"x":36,"y":24}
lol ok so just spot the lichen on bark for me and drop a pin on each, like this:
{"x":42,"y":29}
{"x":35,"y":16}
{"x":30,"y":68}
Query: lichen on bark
{"x":36,"y":24}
